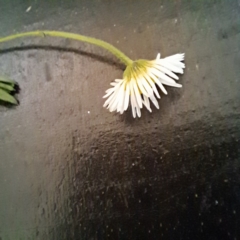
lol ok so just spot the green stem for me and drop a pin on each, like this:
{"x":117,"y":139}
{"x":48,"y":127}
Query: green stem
{"x":120,"y":55}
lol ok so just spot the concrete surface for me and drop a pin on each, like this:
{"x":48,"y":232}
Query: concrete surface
{"x":69,"y":169}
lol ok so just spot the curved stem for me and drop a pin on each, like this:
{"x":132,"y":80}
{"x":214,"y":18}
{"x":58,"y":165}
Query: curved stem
{"x":120,"y":55}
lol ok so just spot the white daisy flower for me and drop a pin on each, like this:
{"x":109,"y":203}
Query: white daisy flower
{"x":139,"y":84}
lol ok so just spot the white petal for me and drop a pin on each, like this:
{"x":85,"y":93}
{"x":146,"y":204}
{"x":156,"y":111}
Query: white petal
{"x":118,"y":98}
{"x":137,"y":94}
{"x":150,"y":81}
{"x":118,"y":80}
{"x":158,"y":82}
{"x":122,"y":106}
{"x":147,"y":103}
{"x":113,"y":89}
{"x":126,"y":100}
{"x":133,"y":108}
{"x":179,"y":56}
{"x":166,"y":71}
{"x":170,"y":66}
{"x":158,"y":56}
{"x":146,"y":86}
{"x":121,"y":99}
{"x":133,"y":112}
{"x":113,"y":106}
{"x":162,"y":76}
{"x":154,"y":100}
{"x":109,"y":92}
{"x":112,"y":98}
{"x":108,"y":100}
{"x":140,"y":85}
{"x":138,"y":111}
{"x":175,"y":62}
{"x":164,"y":79}
{"x":133,"y":99}
{"x":156,"y":91}
{"x":171,"y":84}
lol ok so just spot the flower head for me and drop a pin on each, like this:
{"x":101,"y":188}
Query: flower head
{"x":139,"y":84}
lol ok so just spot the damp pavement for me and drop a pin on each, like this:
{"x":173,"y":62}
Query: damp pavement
{"x":69,"y":169}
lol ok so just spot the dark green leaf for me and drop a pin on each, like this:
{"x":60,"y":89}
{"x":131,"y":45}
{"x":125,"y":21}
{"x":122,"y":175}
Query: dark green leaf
{"x":7,"y":80}
{"x":6,"y":86}
{"x":6,"y":97}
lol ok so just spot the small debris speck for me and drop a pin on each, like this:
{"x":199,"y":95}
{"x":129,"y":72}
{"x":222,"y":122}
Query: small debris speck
{"x":28,"y":9}
{"x":88,"y":112}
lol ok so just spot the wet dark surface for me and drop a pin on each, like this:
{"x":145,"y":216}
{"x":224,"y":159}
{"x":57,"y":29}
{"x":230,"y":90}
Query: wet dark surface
{"x":69,"y":169}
